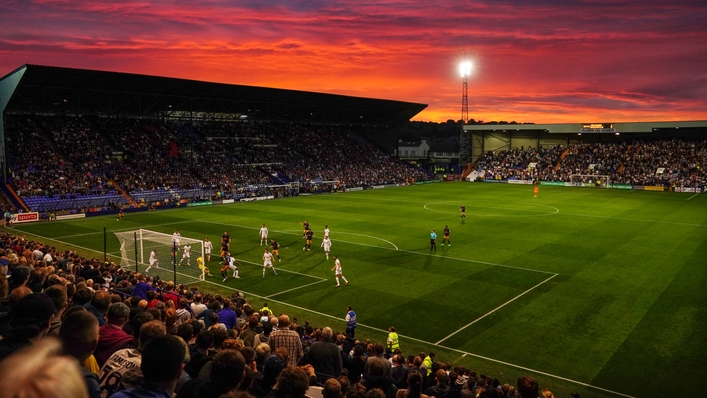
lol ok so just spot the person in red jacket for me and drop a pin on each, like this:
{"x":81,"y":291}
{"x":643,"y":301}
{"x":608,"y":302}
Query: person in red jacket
{"x":111,"y":335}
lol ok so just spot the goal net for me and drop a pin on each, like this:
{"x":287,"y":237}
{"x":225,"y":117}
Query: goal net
{"x":590,"y":180}
{"x":174,"y":260}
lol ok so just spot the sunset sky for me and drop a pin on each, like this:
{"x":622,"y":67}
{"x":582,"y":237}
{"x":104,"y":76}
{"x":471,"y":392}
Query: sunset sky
{"x":534,"y":61}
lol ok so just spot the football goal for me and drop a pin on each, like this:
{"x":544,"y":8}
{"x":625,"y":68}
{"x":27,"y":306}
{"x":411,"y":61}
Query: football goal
{"x":156,"y":253}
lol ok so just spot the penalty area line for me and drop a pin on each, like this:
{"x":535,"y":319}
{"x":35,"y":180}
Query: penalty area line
{"x":284,"y":270}
{"x":495,"y":309}
{"x":295,"y":288}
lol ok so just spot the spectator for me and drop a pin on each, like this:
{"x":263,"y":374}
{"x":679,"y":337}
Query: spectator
{"x":30,"y":321}
{"x":332,"y":389}
{"x":441,"y":389}
{"x":79,"y":337}
{"x":162,"y":365}
{"x":289,"y":339}
{"x":199,"y":353}
{"x":122,"y":369}
{"x":527,"y":387}
{"x":227,"y":316}
{"x":39,"y":371}
{"x":58,"y":295}
{"x":263,"y":382}
{"x":293,"y":382}
{"x":378,"y":350}
{"x":325,"y":357}
{"x":227,"y":372}
{"x":414,"y":383}
{"x":112,"y":336}
{"x":98,"y":306}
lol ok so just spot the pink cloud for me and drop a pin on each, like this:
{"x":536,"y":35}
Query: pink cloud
{"x":558,"y":61}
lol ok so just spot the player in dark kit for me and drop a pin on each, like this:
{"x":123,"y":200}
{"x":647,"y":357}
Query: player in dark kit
{"x":446,"y":236}
{"x":463,"y":210}
{"x":275,"y":249}
{"x":308,"y":244}
{"x":224,"y":249}
{"x":305,"y":224}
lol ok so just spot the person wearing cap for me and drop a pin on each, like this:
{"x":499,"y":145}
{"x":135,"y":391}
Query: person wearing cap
{"x":29,"y":322}
{"x":264,"y":381}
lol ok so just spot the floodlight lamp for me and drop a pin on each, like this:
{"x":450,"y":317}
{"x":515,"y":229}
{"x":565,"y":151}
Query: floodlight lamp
{"x":465,"y":68}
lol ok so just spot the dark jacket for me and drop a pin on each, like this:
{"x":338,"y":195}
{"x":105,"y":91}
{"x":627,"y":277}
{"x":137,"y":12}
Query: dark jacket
{"x":325,"y":357}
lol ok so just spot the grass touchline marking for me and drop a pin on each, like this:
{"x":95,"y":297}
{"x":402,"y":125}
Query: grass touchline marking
{"x":284,"y":270}
{"x":497,"y":208}
{"x":692,"y":196}
{"x":368,"y":236}
{"x":382,"y":330}
{"x":495,"y":309}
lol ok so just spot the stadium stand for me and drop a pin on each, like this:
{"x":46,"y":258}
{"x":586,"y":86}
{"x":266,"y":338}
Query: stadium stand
{"x":78,"y":163}
{"x":659,"y":162}
{"x":136,"y":310}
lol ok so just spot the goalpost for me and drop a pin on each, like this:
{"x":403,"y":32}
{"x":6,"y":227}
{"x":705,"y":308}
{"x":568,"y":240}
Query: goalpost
{"x":136,"y":247}
{"x":594,"y":180}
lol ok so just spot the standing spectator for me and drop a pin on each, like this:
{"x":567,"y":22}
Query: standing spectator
{"x":79,"y":336}
{"x":141,"y":287}
{"x":227,"y":372}
{"x":30,"y":321}
{"x":197,"y":306}
{"x":441,"y":388}
{"x":98,"y":306}
{"x":112,"y":336}
{"x":248,"y":335}
{"x":227,"y":316}
{"x":378,"y":351}
{"x":162,"y":365}
{"x":527,"y":387}
{"x":113,"y":373}
{"x":40,"y":371}
{"x":58,"y":295}
{"x":289,"y":339}
{"x":325,"y":357}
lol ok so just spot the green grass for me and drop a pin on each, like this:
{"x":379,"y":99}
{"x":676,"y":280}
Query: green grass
{"x":577,"y":287}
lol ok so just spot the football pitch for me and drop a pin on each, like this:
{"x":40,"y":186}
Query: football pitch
{"x":601,"y":292}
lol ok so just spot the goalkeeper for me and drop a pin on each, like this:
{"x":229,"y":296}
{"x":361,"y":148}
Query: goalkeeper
{"x":202,"y":267}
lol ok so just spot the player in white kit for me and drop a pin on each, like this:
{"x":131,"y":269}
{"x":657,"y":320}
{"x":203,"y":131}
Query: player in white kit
{"x":208,"y":246}
{"x":267,"y":262}
{"x":337,"y":272}
{"x":263,"y":235}
{"x":176,"y":238}
{"x":186,"y":254}
{"x":153,"y":261}
{"x":326,"y":244}
{"x":326,"y":231}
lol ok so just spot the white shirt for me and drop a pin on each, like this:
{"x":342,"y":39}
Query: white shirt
{"x":337,"y":265}
{"x":176,"y":237}
{"x":208,"y":246}
{"x":267,"y":258}
{"x":186,"y":250}
{"x":153,"y":257}
{"x":263,"y":232}
{"x":326,"y":243}
{"x":326,"y":231}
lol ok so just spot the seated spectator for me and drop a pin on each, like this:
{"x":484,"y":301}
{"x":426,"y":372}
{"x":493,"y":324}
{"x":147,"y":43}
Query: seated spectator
{"x":441,"y":388}
{"x":293,"y":382}
{"x":414,"y":386}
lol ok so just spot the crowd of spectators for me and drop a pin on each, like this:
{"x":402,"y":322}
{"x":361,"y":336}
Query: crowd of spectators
{"x":665,"y":163}
{"x":68,"y":156}
{"x":79,"y":327}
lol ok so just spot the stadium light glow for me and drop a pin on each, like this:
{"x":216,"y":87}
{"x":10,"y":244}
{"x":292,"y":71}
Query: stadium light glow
{"x":465,"y":68}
